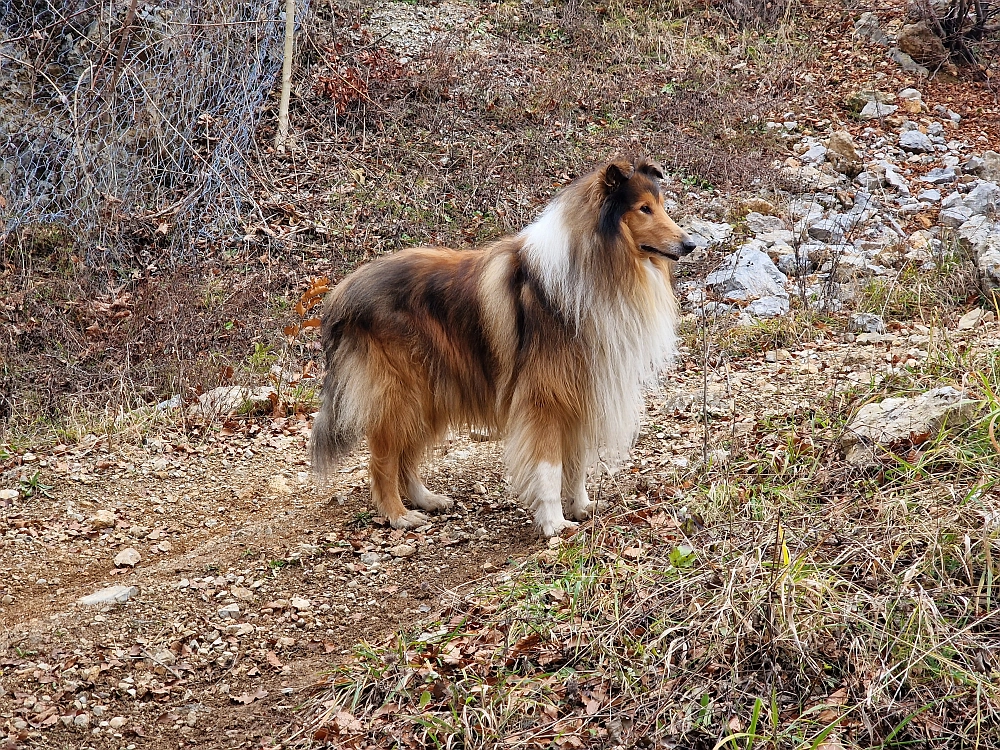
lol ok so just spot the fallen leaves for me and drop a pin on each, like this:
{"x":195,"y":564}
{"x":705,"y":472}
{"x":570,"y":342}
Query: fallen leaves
{"x":247,"y":698}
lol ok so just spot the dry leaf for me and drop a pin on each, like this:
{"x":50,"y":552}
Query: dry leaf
{"x":246,"y":699}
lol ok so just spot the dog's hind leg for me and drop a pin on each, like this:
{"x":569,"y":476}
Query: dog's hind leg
{"x":413,"y":485}
{"x":384,"y":470}
{"x":576,"y":459}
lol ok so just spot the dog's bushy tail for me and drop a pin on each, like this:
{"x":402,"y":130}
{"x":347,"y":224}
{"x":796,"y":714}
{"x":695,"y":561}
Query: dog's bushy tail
{"x":339,"y":423}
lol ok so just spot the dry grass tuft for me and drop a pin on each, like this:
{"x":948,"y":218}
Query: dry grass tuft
{"x":775,"y":600}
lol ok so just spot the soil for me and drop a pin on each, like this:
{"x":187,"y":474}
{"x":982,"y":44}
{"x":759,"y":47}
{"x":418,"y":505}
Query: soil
{"x":231,"y":519}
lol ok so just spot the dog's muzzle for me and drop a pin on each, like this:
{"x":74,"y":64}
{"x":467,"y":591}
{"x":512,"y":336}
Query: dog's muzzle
{"x":685,"y":247}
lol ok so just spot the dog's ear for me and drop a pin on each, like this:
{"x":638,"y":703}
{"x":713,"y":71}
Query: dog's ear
{"x":616,"y":174}
{"x":650,"y":168}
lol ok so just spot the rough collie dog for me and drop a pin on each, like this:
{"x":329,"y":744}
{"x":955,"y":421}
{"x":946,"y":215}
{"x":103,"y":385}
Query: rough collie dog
{"x":548,"y":336}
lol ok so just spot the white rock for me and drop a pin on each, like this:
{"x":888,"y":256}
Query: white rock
{"x":941,"y":176}
{"x":900,"y":420}
{"x":968,"y":321}
{"x":233,"y":399}
{"x":874,"y":108}
{"x":870,"y":180}
{"x":867,"y":322}
{"x":230,"y":612}
{"x":848,"y":266}
{"x":110,"y":595}
{"x":768,"y":307}
{"x":952,"y":199}
{"x":810,"y":178}
{"x":990,"y":168}
{"x":705,"y":233}
{"x":897,"y":182}
{"x":911,"y":100}
{"x":747,"y":274}
{"x":9,"y":494}
{"x":984,"y":198}
{"x":761,"y":223}
{"x":816,"y":154}
{"x":777,"y":237}
{"x":371,"y":558}
{"x":301,"y":604}
{"x":170,"y":404}
{"x":976,"y":232}
{"x":955,"y":216}
{"x":403,"y":550}
{"x":916,"y":142}
{"x":827,"y":230}
{"x":128,"y":557}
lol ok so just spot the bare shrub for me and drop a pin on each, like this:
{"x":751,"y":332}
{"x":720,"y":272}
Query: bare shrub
{"x":130,"y":125}
{"x":967,"y":28}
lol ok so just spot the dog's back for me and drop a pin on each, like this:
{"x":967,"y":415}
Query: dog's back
{"x":405,"y":327}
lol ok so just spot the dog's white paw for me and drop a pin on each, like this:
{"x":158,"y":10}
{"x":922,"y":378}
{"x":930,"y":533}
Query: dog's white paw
{"x":552,"y":524}
{"x":410,"y":520}
{"x":433,"y":501}
{"x":582,"y":510}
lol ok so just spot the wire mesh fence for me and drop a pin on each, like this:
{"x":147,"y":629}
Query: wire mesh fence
{"x":128,"y":127}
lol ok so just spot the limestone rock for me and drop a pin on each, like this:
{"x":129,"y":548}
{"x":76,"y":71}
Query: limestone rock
{"x":109,"y":595}
{"x":916,"y":142}
{"x":941,"y":176}
{"x":747,"y":274}
{"x":759,"y":223}
{"x":875,"y":109}
{"x":768,"y":307}
{"x":955,"y":216}
{"x":969,"y":321}
{"x":906,"y":421}
{"x":990,"y":169}
{"x":128,"y":557}
{"x":984,"y":198}
{"x":907,"y":63}
{"x":910,"y":100}
{"x":867,"y":323}
{"x":235,"y":399}
{"x":705,"y":233}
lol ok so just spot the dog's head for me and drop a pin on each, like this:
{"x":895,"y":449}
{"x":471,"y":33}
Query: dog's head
{"x":632,"y":205}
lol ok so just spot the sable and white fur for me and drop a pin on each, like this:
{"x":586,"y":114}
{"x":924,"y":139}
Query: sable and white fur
{"x":549,"y":336}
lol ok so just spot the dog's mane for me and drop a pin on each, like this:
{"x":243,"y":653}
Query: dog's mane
{"x":623,"y":308}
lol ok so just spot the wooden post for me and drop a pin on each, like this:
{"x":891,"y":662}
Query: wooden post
{"x":286,"y":76}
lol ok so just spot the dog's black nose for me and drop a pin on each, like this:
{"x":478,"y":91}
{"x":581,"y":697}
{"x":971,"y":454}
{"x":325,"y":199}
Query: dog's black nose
{"x":688,"y":246}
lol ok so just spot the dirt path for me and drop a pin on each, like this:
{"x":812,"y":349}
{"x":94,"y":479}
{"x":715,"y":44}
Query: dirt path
{"x":234,"y":520}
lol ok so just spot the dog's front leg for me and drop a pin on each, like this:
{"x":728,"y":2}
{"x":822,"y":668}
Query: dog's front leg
{"x":535,"y":461}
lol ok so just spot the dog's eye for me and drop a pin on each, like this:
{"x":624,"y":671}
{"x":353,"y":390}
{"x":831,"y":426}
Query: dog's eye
{"x":646,"y":210}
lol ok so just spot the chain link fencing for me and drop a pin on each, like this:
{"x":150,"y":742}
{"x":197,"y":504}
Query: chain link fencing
{"x":127,"y":128}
